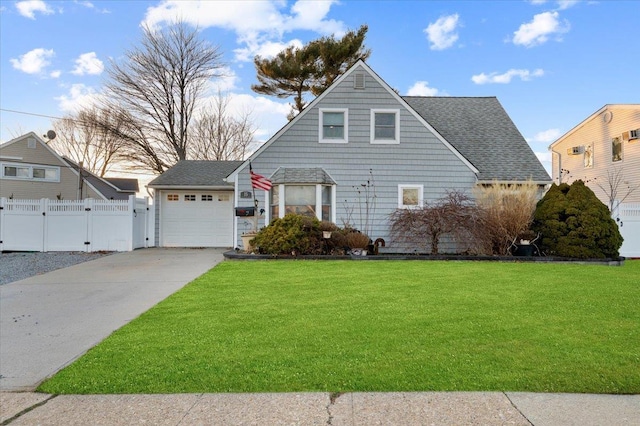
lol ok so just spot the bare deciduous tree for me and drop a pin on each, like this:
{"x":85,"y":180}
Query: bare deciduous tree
{"x":216,"y":135}
{"x":83,"y":139}
{"x":157,"y":88}
{"x":453,"y":215}
{"x":616,"y":189}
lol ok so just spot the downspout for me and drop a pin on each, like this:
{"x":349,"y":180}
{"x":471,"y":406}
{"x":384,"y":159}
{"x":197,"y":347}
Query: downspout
{"x":559,"y":171}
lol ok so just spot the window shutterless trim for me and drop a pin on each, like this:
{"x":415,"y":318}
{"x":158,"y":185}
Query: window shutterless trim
{"x":402,"y":187}
{"x":382,"y":141}
{"x":345,"y":135}
{"x":30,"y":171}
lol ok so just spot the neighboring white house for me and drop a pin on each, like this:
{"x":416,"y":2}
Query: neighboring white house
{"x":359,"y":139}
{"x":604,"y":152}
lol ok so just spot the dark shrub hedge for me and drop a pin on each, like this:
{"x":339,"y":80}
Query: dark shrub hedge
{"x":293,"y":234}
{"x":573,"y":222}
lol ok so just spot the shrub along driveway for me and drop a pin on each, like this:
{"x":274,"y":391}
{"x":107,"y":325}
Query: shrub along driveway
{"x":337,"y":326}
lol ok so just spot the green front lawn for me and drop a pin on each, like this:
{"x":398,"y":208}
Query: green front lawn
{"x":284,"y":326}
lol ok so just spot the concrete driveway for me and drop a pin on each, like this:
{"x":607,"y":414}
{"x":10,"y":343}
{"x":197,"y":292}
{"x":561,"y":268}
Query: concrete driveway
{"x":48,"y":321}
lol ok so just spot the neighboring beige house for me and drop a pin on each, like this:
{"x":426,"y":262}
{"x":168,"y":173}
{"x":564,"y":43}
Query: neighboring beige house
{"x":29,"y":169}
{"x":602,"y":150}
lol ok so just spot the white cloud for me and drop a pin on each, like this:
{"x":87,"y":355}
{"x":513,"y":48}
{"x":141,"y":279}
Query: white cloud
{"x":225,"y":83}
{"x":79,"y":97}
{"x":266,"y":49}
{"x":540,"y":29}
{"x":545,"y":159}
{"x":88,"y":63}
{"x":421,"y":88}
{"x":34,"y":61}
{"x":562,"y":4}
{"x":310,"y":15}
{"x":267,"y":115}
{"x":257,"y":23}
{"x":566,"y":4}
{"x":90,"y":5}
{"x":442,"y":33}
{"x":546,"y":136}
{"x":540,"y":142}
{"x":29,"y":8}
{"x":55,"y":74}
{"x":494,"y":77}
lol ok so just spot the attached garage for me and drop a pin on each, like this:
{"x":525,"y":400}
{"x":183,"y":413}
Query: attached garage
{"x":196,"y":219}
{"x":194,"y":204}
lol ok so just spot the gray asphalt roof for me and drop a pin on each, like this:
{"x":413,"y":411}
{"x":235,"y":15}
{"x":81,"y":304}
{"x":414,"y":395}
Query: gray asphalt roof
{"x":480,"y":129}
{"x":197,"y":173}
{"x":125,"y":184}
{"x":103,"y":184}
{"x":302,"y":175}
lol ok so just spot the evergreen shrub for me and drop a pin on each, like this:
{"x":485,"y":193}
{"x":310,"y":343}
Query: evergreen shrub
{"x":293,"y":234}
{"x":574,"y":223}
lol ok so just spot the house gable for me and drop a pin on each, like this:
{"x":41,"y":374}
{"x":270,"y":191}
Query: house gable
{"x":410,"y":153}
{"x":30,"y":152}
{"x":600,"y":147}
{"x":383,"y":97}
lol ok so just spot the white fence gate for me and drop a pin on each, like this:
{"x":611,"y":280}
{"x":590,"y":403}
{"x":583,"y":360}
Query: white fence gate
{"x":87,"y":225}
{"x":627,"y":215}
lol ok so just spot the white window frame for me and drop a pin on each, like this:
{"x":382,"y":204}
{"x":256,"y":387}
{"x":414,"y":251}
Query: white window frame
{"x":396,"y":139}
{"x":321,"y":138}
{"x":282,"y":204}
{"x":401,"y":189}
{"x":30,"y":167}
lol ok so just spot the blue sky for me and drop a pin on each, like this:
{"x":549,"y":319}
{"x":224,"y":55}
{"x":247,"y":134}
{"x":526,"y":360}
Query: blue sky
{"x":550,"y":63}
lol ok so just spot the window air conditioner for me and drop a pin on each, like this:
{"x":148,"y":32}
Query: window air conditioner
{"x":575,"y":150}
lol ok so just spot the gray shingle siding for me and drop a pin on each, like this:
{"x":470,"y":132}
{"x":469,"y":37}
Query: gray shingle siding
{"x":420,"y":158}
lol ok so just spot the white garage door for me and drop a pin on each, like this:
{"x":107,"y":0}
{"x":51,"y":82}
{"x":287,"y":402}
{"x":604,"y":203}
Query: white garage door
{"x":196,"y":219}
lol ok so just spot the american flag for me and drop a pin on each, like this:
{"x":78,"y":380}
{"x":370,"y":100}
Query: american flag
{"x":259,"y":181}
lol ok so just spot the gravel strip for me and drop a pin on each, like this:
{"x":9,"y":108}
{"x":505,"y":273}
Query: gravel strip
{"x":16,"y":266}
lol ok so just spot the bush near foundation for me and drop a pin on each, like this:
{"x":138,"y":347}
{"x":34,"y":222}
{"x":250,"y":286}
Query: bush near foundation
{"x":574,"y":223}
{"x":293,"y":234}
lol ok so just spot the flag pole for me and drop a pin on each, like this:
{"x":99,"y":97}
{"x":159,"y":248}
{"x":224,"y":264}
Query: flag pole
{"x":255,"y":200}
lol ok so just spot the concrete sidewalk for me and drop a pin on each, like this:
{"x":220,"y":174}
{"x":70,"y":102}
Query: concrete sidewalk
{"x":49,"y":320}
{"x":422,"y":408}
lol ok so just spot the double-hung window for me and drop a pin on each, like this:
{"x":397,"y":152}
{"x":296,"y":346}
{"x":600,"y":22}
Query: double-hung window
{"x":385,"y":126}
{"x":410,"y":196}
{"x":334,"y":125}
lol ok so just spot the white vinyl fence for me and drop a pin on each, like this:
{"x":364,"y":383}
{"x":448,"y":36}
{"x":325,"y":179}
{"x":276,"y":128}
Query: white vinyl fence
{"x":627,"y":215}
{"x":87,"y":225}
